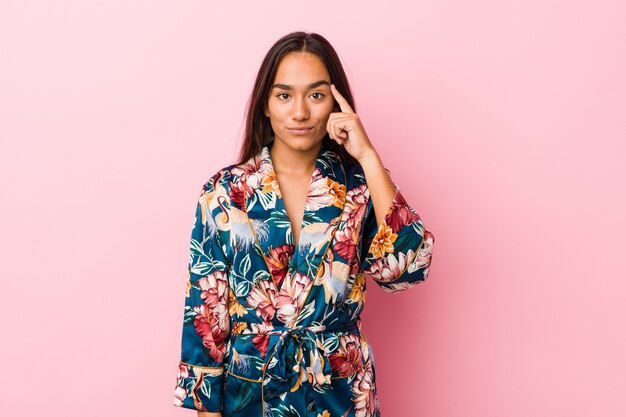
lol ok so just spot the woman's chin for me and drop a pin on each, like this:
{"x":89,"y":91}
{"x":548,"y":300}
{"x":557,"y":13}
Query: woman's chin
{"x":301,"y":142}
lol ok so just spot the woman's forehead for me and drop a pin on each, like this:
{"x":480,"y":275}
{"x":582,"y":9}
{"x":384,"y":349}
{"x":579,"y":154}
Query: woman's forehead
{"x":301,"y":70}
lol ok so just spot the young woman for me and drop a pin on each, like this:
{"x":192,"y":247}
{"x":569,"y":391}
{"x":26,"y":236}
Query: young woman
{"x":282,"y":244}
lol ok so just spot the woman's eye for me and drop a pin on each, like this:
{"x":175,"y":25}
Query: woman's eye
{"x":320,"y":95}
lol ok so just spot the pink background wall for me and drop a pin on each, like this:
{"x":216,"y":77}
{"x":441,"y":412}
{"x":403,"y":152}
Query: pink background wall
{"x":113,"y":114}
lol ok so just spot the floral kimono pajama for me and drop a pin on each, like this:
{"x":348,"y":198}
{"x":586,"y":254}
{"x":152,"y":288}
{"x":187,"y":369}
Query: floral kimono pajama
{"x":271,"y":329}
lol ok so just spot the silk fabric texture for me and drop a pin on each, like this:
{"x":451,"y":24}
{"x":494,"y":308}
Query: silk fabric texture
{"x":271,"y":329}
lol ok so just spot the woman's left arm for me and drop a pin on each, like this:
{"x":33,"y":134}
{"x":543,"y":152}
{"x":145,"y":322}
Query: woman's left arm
{"x":395,"y":248}
{"x":381,"y":187}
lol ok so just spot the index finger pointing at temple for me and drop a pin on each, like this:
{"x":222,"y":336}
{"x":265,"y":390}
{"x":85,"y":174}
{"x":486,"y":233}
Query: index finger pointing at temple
{"x":343,"y":104}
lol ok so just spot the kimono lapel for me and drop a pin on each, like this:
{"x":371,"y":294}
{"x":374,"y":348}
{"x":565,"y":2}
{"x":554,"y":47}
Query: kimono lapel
{"x":293,"y":270}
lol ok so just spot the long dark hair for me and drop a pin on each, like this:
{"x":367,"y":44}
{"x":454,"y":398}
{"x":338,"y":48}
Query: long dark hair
{"x":258,"y":128}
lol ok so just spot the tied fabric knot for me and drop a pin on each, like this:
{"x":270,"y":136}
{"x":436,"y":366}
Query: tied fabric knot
{"x":295,"y":347}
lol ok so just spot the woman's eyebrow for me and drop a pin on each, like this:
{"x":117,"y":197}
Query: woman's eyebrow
{"x":288,"y":87}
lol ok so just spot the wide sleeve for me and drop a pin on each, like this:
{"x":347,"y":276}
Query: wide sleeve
{"x":206,"y":321}
{"x":397,"y":253}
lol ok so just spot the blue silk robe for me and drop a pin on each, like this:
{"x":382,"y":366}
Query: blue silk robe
{"x":274,"y":330}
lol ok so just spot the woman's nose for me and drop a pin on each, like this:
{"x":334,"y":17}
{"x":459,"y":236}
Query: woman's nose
{"x":300,"y":109}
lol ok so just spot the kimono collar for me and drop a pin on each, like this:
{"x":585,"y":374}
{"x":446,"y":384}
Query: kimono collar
{"x":266,"y":211}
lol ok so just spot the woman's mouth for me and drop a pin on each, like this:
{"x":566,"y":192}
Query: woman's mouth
{"x":300,"y":131}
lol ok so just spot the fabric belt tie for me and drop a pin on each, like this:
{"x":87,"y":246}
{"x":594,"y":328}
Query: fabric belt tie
{"x":289,"y":356}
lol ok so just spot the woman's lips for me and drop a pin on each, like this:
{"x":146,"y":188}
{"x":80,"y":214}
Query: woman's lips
{"x":300,"y":131}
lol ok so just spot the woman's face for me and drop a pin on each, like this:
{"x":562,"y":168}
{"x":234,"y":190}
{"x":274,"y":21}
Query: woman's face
{"x":300,"y":98}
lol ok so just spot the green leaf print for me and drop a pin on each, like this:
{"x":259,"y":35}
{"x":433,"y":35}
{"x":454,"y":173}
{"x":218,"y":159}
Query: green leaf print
{"x":244,"y":395}
{"x":202,"y":268}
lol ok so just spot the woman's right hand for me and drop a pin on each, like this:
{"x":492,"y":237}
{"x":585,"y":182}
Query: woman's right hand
{"x":207,"y":414}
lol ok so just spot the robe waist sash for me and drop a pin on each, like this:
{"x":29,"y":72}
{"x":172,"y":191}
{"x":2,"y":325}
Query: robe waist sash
{"x":297,"y":353}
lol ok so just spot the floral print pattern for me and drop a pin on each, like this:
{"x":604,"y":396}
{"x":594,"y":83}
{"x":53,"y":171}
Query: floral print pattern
{"x":271,"y":328}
